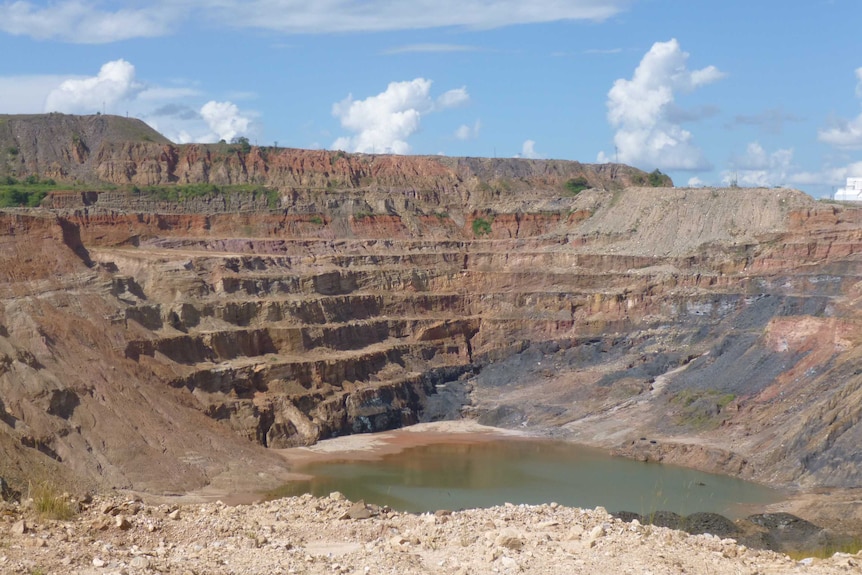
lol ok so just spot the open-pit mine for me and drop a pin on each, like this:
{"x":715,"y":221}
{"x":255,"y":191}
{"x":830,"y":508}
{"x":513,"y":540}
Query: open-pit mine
{"x":173,"y":316}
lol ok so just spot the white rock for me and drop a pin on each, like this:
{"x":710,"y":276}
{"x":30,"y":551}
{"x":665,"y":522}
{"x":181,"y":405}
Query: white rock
{"x":510,"y":539}
{"x":597,"y":533}
{"x":19,"y":528}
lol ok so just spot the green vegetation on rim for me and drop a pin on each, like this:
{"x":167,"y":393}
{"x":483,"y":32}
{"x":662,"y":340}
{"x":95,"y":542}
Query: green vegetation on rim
{"x":27,"y":193}
{"x":576,"y":185}
{"x":185,"y":192}
{"x":655,"y":179}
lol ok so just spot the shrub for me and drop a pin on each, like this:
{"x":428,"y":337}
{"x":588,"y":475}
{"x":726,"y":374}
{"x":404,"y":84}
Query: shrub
{"x":13,"y":198}
{"x":577,"y":185}
{"x":273,"y":197}
{"x":242,"y":141}
{"x":317,"y":220}
{"x":657,"y":179}
{"x":481,"y":227}
{"x":337,"y":156}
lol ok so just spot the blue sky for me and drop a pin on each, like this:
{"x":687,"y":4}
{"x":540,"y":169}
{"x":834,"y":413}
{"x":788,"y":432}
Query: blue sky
{"x":766,"y":91}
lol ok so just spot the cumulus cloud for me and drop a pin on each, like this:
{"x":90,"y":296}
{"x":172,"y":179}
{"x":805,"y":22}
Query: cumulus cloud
{"x":642,"y":110}
{"x":224,"y":120}
{"x":26,"y":94}
{"x":845,"y":133}
{"x":465,"y":132}
{"x":175,"y":111}
{"x":82,"y":22}
{"x":528,"y":150}
{"x":114,"y":83}
{"x":759,"y":168}
{"x":383,"y":123}
{"x":695,"y":182}
{"x":829,"y":175}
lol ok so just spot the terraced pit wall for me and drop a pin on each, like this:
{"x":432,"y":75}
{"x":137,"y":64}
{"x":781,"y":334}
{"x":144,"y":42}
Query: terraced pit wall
{"x":164,"y":346}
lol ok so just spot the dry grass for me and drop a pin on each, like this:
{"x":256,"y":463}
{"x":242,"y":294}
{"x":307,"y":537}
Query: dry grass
{"x":50,"y":502}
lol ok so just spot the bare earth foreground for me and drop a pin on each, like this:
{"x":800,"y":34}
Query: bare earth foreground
{"x":332,"y":535}
{"x":124,"y":535}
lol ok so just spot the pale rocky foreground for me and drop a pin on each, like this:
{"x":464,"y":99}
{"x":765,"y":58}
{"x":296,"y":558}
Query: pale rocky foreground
{"x":332,"y":535}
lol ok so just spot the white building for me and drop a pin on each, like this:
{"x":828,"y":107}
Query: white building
{"x":853,"y":191}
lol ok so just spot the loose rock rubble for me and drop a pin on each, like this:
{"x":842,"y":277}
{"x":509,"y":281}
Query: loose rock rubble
{"x":335,"y":536}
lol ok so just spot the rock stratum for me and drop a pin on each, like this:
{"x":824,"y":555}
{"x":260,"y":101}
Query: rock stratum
{"x":169,"y":342}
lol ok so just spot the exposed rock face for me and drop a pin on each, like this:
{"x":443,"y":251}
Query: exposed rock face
{"x":162,"y":345}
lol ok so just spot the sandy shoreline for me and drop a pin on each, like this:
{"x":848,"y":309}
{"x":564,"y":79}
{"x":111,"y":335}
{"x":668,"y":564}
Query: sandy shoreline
{"x":374,"y":446}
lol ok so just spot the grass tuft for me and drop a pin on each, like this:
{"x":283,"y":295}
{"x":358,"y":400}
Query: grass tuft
{"x":49,"y":502}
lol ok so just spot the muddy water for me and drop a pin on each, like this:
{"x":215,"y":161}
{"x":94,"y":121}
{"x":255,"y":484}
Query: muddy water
{"x":465,"y":475}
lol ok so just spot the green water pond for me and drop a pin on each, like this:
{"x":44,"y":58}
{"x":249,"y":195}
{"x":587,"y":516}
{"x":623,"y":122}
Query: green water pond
{"x":483,"y":474}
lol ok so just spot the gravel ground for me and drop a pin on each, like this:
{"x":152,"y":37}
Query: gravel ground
{"x":332,"y":535}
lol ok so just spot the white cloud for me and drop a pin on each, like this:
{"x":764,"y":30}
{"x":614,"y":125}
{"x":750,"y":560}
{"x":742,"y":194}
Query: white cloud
{"x":383,"y":123}
{"x":175,"y":111}
{"x":27,"y":94}
{"x":845,"y":133}
{"x":759,"y":168}
{"x":642,"y":110}
{"x":465,"y":132}
{"x":453,"y":98}
{"x":833,"y":176}
{"x":114,"y":83}
{"x":224,"y":120}
{"x":81,"y":22}
{"x":528,"y":150}
{"x":292,"y":16}
{"x":92,"y":21}
{"x":695,"y":182}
